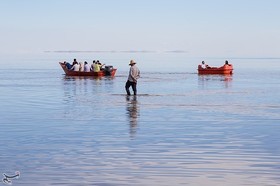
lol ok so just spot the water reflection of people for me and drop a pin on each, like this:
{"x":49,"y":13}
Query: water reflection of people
{"x":132,"y":113}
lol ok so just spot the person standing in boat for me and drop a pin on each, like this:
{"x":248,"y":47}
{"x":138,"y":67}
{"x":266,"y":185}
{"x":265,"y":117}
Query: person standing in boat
{"x":133,"y":76}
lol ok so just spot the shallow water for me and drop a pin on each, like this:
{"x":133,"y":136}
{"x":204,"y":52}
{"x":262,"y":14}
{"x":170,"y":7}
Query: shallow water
{"x":182,"y":128}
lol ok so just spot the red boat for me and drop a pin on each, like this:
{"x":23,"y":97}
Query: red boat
{"x":225,"y":69}
{"x":108,"y":71}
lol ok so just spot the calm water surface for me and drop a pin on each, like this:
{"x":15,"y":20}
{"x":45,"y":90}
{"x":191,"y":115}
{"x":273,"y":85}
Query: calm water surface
{"x":183,"y":129}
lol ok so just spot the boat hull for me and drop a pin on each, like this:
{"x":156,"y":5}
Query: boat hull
{"x":101,"y":73}
{"x":226,"y":69}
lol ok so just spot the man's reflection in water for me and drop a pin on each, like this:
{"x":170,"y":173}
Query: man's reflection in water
{"x":132,"y":113}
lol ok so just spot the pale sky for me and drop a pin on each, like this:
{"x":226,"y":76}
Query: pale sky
{"x":237,"y":28}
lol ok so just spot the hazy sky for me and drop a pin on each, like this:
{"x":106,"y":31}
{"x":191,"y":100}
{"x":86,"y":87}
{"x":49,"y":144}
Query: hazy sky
{"x":240,"y":28}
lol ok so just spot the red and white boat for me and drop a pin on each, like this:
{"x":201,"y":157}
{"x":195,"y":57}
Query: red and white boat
{"x":225,"y":69}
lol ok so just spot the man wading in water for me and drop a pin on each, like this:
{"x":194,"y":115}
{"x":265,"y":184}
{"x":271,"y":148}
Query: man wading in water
{"x":134,"y":74}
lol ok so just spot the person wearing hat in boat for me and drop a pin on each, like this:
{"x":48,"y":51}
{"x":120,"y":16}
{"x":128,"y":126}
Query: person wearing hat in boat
{"x":134,"y":74}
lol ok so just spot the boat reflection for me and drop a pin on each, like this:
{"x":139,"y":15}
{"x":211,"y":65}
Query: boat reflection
{"x":69,"y":78}
{"x":132,"y":113}
{"x":81,"y":92}
{"x":207,"y":80}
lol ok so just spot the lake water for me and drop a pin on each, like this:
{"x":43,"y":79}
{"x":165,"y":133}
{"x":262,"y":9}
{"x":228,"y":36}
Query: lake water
{"x":182,"y":128}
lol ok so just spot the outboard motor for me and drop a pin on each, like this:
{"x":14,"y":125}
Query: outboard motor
{"x":108,"y":70}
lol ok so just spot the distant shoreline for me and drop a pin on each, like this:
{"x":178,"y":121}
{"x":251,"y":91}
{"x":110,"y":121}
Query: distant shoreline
{"x":115,"y":51}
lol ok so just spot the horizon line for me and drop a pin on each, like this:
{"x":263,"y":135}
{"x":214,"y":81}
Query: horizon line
{"x":115,"y":51}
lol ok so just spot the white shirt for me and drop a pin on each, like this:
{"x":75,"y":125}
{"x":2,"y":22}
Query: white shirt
{"x":87,"y":68}
{"x":134,"y":74}
{"x":76,"y":67}
{"x":81,"y":67}
{"x":203,"y":65}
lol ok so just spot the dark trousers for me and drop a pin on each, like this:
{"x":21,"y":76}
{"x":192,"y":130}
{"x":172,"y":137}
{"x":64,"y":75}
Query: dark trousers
{"x":128,"y":84}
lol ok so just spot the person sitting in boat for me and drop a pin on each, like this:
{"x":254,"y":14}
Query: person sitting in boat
{"x":100,"y":65}
{"x":74,"y":62}
{"x":81,"y":66}
{"x":204,"y":65}
{"x":97,"y":66}
{"x":76,"y":66}
{"x":226,"y":63}
{"x":68,"y":65}
{"x":92,"y":66}
{"x":86,"y":67}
